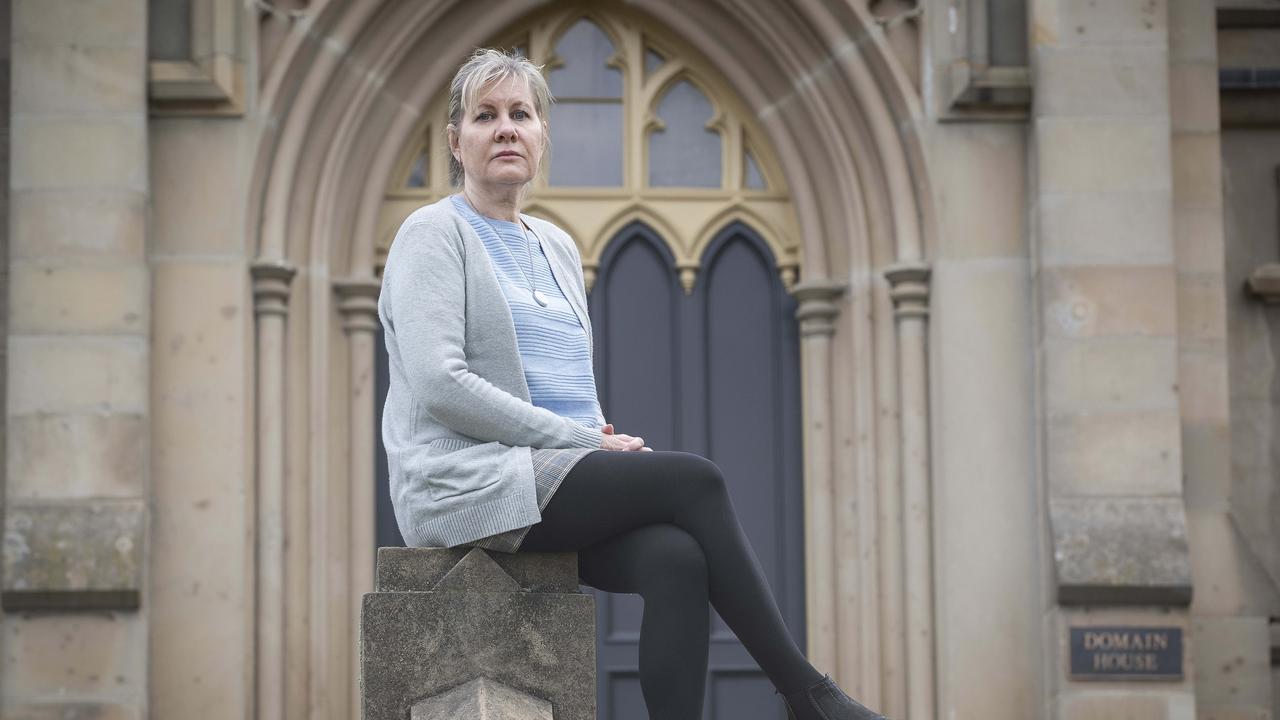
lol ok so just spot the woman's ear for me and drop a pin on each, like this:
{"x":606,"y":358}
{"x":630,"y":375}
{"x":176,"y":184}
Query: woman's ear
{"x":451,"y":134}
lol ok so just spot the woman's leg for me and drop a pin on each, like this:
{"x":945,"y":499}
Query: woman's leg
{"x":665,"y":566}
{"x":611,"y":492}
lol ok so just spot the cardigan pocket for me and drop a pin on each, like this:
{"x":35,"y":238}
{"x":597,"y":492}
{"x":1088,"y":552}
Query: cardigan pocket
{"x":458,"y":467}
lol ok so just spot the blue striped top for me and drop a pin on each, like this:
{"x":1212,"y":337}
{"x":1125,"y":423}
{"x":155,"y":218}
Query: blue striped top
{"x":552,"y":342}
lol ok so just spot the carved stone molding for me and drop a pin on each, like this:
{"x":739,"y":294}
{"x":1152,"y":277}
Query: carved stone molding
{"x":271,"y":287}
{"x":1264,"y":283}
{"x":817,"y":309}
{"x":358,"y":303}
{"x":212,"y":80}
{"x":909,"y":288}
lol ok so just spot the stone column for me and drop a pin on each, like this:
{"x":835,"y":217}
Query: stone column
{"x":358,"y":303}
{"x":910,"y":293}
{"x":77,"y":407}
{"x":816,"y":313}
{"x":1106,"y":344}
{"x":1229,"y":619}
{"x":271,"y":297}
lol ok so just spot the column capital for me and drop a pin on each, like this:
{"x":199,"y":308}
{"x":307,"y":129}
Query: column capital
{"x":271,"y":280}
{"x":909,"y":288}
{"x":817,"y":310}
{"x":358,"y":302}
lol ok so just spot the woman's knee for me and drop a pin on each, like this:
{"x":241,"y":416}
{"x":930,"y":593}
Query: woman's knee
{"x":673,"y":557}
{"x":702,"y":476}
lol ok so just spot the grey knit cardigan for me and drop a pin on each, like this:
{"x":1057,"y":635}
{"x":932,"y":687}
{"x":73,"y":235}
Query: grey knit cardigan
{"x":458,"y":425}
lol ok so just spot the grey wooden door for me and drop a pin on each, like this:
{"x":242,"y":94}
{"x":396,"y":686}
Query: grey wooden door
{"x":714,"y":372}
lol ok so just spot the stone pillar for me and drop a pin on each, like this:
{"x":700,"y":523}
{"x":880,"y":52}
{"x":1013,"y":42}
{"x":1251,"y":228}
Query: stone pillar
{"x":446,"y":626}
{"x":1106,"y":348}
{"x":816,"y":313}
{"x":271,"y":305}
{"x":358,"y":303}
{"x":1229,"y":615}
{"x":910,"y":293}
{"x":77,"y":407}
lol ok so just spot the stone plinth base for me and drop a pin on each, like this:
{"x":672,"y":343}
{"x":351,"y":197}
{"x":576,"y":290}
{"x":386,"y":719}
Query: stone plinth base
{"x":442,"y":618}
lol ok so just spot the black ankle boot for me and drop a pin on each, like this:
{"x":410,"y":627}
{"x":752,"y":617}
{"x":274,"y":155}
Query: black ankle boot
{"x":826,"y":701}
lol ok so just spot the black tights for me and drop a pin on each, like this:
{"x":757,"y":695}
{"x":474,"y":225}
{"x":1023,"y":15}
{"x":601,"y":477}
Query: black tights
{"x":661,"y":524}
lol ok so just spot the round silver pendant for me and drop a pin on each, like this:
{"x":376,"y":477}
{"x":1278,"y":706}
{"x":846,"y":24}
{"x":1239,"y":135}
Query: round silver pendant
{"x":542,"y":299}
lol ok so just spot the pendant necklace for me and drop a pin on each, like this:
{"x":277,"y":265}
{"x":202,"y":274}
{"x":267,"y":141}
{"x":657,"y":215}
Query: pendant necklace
{"x":538,"y":296}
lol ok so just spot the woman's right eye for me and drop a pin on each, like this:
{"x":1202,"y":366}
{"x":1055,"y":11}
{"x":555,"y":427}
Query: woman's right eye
{"x":484,"y":115}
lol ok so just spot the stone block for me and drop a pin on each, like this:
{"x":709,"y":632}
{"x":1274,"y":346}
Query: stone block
{"x":78,"y":79}
{"x":1085,"y":706}
{"x":1202,"y":308}
{"x":51,"y":656}
{"x":61,"y":298}
{"x":482,"y":699}
{"x":1088,"y":301}
{"x":57,"y":152}
{"x":1119,"y":81}
{"x":1206,"y":464}
{"x":86,"y":555}
{"x":983,"y":219}
{"x":412,"y":569}
{"x":196,"y":213}
{"x":1248,"y":47}
{"x":1101,"y":154}
{"x":86,"y":23}
{"x":1203,"y":384}
{"x":1197,"y":170}
{"x":1198,"y":240}
{"x":1119,"y":22}
{"x":1230,"y":578}
{"x":1122,"y":453}
{"x":46,"y":224}
{"x":56,"y":456}
{"x":1108,"y":375}
{"x":1193,"y":96}
{"x":1193,"y":32}
{"x":1131,"y":228}
{"x":1120,"y":551}
{"x":1233,"y":660}
{"x":422,"y":640}
{"x":68,"y":374}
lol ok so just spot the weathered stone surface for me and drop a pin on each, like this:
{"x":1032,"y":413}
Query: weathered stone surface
{"x":448,"y":622}
{"x":83,"y":555}
{"x":419,"y":644}
{"x":419,"y":569}
{"x":482,"y":699}
{"x":1120,"y":551}
{"x":476,"y":572}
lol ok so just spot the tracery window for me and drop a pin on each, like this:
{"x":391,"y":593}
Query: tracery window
{"x":643,"y":129}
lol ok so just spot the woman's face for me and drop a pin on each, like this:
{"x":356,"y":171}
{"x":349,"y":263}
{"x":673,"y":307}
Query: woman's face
{"x":500,"y":140}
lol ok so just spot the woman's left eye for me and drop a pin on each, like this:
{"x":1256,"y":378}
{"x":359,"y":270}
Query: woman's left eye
{"x":519,"y":114}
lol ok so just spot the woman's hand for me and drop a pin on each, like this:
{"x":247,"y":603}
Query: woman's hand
{"x":614,"y":441}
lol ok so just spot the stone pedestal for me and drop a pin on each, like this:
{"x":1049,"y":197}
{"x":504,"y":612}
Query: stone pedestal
{"x":442,"y":619}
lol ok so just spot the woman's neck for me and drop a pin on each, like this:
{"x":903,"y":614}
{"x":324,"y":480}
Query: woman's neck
{"x":500,"y":203}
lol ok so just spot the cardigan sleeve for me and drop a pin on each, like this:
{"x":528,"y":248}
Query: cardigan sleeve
{"x":425,"y":279}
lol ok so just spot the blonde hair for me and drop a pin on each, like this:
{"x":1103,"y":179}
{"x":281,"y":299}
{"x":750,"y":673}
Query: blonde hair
{"x":485,"y":67}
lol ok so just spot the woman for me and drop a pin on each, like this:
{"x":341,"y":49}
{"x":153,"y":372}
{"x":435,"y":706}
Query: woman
{"x":494,"y":433}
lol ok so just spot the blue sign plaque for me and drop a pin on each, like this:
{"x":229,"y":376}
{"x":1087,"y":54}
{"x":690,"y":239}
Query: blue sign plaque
{"x":1126,"y":652}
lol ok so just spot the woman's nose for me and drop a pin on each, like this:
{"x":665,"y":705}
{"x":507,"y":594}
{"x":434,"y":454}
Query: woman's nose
{"x":506,"y":130}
